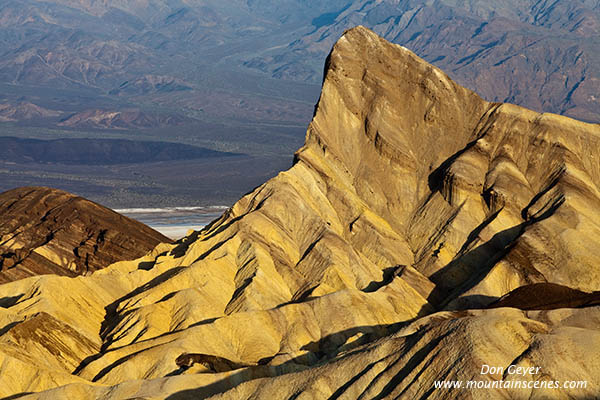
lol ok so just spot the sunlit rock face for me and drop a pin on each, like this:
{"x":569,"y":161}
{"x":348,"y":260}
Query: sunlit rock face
{"x":388,"y":257}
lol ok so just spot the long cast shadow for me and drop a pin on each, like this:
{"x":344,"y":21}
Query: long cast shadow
{"x":320,"y":352}
{"x":111,"y":313}
{"x":436,"y":178}
{"x":469,"y":269}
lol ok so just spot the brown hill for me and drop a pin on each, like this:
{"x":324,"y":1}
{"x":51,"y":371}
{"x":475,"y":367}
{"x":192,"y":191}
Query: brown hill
{"x":24,"y":111}
{"x":126,"y":119}
{"x":354,"y":274}
{"x":151,"y":84}
{"x":48,"y":231}
{"x":546,"y":296}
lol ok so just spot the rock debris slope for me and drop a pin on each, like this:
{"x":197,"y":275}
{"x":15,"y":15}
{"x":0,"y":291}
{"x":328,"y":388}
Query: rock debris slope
{"x":379,"y":263}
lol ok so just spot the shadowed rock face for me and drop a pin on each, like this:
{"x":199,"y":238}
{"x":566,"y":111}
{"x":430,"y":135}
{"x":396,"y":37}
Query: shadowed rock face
{"x":48,"y":231}
{"x":547,"y":296}
{"x":211,"y":363}
{"x":365,"y":270}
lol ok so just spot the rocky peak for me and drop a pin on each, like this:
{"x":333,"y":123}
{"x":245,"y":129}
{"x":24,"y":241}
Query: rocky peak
{"x":463,"y":182}
{"x":385,"y":115}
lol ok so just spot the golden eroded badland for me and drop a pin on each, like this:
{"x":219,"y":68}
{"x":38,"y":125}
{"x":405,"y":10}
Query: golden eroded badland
{"x":421,"y":235}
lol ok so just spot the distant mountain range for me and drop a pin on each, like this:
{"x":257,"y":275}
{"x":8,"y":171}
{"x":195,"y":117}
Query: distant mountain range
{"x":243,"y":76}
{"x":538,"y":53}
{"x":100,"y":151}
{"x":196,"y":56}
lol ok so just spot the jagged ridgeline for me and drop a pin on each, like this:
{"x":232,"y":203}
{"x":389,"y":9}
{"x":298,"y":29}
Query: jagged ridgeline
{"x":421,"y":233}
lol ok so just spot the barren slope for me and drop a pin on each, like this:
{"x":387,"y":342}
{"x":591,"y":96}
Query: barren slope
{"x":364,"y":270}
{"x":48,"y":231}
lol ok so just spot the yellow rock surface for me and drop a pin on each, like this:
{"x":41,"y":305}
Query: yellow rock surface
{"x":363,"y":271}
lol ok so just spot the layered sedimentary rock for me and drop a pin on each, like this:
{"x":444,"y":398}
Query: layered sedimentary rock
{"x":48,"y":231}
{"x":376,"y":265}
